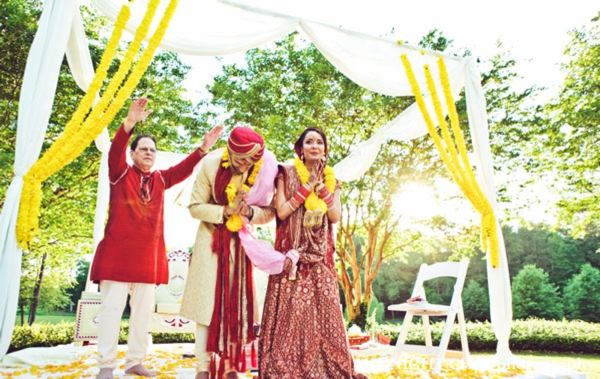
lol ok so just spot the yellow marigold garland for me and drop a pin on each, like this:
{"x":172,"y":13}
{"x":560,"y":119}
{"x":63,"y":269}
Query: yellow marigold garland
{"x":462,"y":174}
{"x":77,"y":136}
{"x":225,"y":158}
{"x":235,"y":222}
{"x":31,"y":195}
{"x":313,"y":202}
{"x":62,"y":152}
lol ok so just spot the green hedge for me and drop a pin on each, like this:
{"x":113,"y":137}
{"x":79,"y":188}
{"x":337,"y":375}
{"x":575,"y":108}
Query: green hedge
{"x":41,"y":334}
{"x":529,"y":335}
{"x":526,"y":335}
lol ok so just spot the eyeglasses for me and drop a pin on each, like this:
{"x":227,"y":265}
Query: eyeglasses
{"x":144,"y":190}
{"x":147,"y":150}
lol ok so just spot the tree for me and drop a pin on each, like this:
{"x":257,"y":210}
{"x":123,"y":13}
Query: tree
{"x":18,"y":22}
{"x":534,"y":295}
{"x":569,"y":144}
{"x":567,"y":259}
{"x":476,"y":302}
{"x":528,"y":246}
{"x":396,"y":278}
{"x":83,"y":266}
{"x":581,"y":297}
{"x":589,"y":245}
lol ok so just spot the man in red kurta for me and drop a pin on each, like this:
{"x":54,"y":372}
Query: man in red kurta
{"x":131,"y":258}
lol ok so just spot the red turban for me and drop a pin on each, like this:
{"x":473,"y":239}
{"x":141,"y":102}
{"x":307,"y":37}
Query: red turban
{"x":246,"y":143}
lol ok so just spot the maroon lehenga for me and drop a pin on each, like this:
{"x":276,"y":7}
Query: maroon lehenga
{"x":302,"y":331}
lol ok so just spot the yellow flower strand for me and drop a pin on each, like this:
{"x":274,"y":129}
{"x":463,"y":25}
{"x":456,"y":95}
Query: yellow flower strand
{"x":313,"y":202}
{"x":101,"y":72}
{"x":31,"y":195}
{"x":464,"y":175}
{"x":235,"y":222}
{"x":225,"y":158}
{"x":255,"y":171}
{"x":59,"y":154}
{"x":28,"y":219}
{"x":488,"y":221}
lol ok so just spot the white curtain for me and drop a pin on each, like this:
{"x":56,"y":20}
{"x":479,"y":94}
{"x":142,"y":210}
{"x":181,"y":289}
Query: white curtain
{"x":210,"y":27}
{"x":35,"y":104}
{"x":498,"y":278}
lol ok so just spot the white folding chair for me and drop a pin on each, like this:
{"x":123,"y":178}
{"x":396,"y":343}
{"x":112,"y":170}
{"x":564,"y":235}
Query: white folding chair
{"x":424,"y":309}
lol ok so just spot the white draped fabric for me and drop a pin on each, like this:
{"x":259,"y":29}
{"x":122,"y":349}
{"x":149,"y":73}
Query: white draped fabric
{"x":35,"y":104}
{"x":210,"y":27}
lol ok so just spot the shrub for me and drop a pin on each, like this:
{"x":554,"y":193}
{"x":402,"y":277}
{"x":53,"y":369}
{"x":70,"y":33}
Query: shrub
{"x":40,"y":335}
{"x":533,"y":334}
{"x":581,"y":296}
{"x":534,"y":295}
{"x":526,"y":335}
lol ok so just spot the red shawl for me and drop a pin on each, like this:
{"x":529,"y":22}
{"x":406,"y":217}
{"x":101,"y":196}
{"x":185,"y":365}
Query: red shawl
{"x":230,"y":323}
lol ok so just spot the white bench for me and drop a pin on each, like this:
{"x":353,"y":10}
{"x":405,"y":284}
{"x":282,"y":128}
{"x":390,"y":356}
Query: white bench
{"x":165,"y":318}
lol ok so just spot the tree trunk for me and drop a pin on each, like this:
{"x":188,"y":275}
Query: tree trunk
{"x":36,"y":292}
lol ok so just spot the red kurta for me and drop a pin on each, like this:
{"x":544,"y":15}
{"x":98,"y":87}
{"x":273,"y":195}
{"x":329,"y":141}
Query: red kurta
{"x":133,"y":248}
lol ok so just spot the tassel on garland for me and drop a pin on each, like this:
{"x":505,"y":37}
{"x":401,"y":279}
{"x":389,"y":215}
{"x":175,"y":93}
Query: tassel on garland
{"x":243,"y":359}
{"x":222,"y":367}
{"x":213,"y":367}
{"x":238,"y":357}
{"x":253,"y":357}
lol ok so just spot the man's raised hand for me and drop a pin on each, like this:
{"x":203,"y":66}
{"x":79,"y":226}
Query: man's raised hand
{"x":211,"y":137}
{"x":137,"y":112}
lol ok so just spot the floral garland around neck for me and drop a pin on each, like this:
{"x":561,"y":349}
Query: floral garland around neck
{"x":315,"y":206}
{"x":235,"y":222}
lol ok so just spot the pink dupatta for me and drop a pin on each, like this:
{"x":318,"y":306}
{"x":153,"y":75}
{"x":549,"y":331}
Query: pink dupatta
{"x":261,"y":253}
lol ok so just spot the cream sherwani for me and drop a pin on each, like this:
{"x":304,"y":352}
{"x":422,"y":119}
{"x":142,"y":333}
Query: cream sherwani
{"x":199,"y":295}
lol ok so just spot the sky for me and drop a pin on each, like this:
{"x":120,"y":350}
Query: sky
{"x":534,"y":31}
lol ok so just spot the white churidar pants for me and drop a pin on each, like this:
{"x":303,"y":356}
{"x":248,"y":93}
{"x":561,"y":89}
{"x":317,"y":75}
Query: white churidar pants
{"x":202,"y":356}
{"x":114,"y":297}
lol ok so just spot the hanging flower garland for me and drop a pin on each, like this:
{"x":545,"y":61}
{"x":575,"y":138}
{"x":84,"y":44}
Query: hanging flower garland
{"x":235,"y":222}
{"x":313,"y":202}
{"x":80,"y":133}
{"x":31,"y":196}
{"x":462,"y":174}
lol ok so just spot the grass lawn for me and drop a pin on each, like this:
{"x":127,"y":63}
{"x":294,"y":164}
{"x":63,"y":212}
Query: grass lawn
{"x":52,"y":318}
{"x":588,"y":364}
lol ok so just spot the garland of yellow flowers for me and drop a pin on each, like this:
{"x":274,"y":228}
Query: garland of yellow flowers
{"x":462,"y":174}
{"x":313,"y":202}
{"x":78,"y":133}
{"x":235,"y":222}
